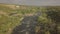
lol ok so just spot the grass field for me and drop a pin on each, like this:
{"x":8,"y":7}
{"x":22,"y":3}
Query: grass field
{"x":11,"y":15}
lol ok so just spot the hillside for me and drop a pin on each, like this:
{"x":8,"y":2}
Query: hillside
{"x":11,"y":15}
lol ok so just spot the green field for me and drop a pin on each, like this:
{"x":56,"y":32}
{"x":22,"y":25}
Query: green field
{"x":11,"y":15}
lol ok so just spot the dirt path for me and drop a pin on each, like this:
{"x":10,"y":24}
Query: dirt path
{"x":27,"y":26}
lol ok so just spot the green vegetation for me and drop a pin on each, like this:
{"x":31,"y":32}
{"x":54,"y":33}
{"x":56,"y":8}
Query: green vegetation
{"x":10,"y":16}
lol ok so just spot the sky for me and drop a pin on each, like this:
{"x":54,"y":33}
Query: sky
{"x":33,"y":2}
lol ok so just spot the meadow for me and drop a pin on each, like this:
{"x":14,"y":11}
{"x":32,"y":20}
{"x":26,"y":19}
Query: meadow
{"x":11,"y":15}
